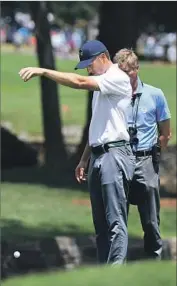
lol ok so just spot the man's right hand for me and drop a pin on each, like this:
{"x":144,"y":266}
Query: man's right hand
{"x":30,"y":72}
{"x":80,"y":171}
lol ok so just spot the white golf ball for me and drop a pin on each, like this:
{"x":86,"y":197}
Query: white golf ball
{"x":16,"y":254}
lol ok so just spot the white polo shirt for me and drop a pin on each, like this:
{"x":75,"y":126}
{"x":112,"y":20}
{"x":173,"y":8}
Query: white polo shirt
{"x":109,"y":107}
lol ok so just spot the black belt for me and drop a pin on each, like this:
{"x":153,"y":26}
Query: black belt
{"x":100,"y":149}
{"x":143,"y":153}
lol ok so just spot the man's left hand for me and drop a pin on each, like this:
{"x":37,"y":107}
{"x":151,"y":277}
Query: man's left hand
{"x":164,"y":141}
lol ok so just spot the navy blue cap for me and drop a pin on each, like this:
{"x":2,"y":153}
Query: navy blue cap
{"x":89,"y":51}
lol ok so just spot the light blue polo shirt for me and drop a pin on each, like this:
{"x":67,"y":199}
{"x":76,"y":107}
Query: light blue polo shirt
{"x":152,"y":108}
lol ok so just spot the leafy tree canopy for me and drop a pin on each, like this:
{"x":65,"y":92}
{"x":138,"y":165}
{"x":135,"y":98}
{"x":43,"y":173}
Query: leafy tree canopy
{"x":69,"y":12}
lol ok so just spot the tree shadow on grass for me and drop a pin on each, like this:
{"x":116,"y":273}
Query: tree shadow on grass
{"x":15,"y":236}
{"x":40,"y":175}
{"x":54,"y":178}
{"x":20,"y":164}
{"x":40,"y":249}
{"x":15,"y":230}
{"x":63,"y":174}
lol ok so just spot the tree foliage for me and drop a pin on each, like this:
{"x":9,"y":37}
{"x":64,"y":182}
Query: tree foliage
{"x":71,"y":11}
{"x":66,"y":11}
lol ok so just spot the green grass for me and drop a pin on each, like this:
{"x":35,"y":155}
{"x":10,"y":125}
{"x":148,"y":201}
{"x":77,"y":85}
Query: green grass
{"x":38,"y":211}
{"x":20,"y":102}
{"x":144,"y":274}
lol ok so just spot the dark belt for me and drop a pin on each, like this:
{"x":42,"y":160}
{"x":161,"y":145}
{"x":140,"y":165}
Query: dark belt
{"x":143,"y":153}
{"x":100,"y":149}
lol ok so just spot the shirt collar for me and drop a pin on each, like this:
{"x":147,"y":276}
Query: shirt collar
{"x":139,"y":88}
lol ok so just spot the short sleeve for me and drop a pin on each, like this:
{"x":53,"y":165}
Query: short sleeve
{"x":117,"y":83}
{"x":162,"y":110}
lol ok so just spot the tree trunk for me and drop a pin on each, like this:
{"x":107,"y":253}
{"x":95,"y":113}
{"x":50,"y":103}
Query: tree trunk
{"x":76,"y":157}
{"x":84,"y":139}
{"x":118,"y":25}
{"x":55,"y":152}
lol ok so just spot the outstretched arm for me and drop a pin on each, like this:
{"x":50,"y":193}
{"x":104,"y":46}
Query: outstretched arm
{"x":67,"y":79}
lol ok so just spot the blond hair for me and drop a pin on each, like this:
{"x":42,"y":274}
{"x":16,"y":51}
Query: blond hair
{"x":127,"y":60}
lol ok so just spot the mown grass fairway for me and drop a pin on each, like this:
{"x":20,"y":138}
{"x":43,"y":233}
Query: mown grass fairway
{"x":38,"y":211}
{"x":144,"y":274}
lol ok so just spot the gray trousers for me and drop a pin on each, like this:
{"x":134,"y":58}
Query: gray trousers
{"x":109,"y":176}
{"x":144,"y":192}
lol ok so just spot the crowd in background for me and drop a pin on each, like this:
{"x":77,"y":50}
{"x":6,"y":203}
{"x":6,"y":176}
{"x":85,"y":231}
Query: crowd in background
{"x":66,"y":39}
{"x":157,"y":45}
{"x":154,"y":45}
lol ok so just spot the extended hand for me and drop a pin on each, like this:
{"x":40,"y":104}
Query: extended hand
{"x":27,"y":73}
{"x":80,"y":172}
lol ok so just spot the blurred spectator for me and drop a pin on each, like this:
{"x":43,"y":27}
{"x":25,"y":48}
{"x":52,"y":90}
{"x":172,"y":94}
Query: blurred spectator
{"x":157,"y":45}
{"x":17,"y":39}
{"x":3,"y":35}
{"x":153,"y":44}
{"x":171,"y":53}
{"x":21,"y":37}
{"x":159,"y":52}
{"x":77,"y":36}
{"x":149,"y":46}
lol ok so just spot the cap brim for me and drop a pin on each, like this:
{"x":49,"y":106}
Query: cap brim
{"x":84,"y":64}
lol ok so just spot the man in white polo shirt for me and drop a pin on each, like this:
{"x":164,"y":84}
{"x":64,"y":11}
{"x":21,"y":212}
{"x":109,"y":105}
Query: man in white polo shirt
{"x":111,"y":160}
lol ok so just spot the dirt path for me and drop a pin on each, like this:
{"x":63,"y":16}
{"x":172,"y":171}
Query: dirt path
{"x":168,"y":203}
{"x":165,"y":203}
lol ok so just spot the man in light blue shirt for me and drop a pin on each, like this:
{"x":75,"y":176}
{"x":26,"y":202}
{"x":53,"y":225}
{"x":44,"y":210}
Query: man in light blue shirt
{"x":149,"y":128}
